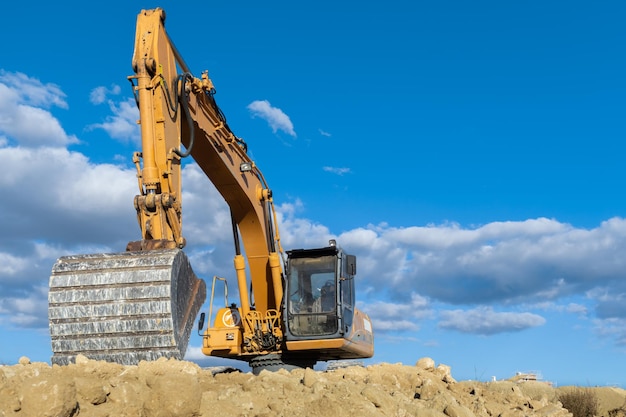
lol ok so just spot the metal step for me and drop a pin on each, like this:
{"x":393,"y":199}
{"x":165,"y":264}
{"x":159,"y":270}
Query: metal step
{"x":123,"y":307}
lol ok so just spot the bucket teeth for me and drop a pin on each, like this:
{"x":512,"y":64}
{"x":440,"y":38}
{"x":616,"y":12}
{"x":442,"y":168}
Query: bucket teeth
{"x":123,"y":307}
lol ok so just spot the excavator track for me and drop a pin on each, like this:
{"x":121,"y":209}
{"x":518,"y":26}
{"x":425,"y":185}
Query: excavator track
{"x":123,"y":307}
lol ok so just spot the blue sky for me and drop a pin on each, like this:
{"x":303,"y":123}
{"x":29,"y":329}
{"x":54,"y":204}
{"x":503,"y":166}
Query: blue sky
{"x":469,"y":153}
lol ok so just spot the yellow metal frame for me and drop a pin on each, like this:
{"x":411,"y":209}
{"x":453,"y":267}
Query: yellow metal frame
{"x":202,"y":130}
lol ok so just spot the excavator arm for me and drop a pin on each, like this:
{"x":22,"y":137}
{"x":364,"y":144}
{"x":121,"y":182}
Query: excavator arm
{"x":177,"y":108}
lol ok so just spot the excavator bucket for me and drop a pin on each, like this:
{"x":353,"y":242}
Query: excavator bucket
{"x":123,"y":307}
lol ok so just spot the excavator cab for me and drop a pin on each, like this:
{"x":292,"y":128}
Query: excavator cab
{"x":318,"y":320}
{"x":319,"y":301}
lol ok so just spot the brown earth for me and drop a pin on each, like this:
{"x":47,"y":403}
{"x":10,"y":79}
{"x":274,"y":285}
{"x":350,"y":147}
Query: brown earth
{"x":179,"y":388}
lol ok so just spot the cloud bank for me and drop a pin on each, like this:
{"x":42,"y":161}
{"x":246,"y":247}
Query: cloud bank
{"x":475,"y":280}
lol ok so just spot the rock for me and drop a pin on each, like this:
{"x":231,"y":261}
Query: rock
{"x":171,"y":387}
{"x":81,"y":359}
{"x":425,"y":363}
{"x":90,"y":391}
{"x":428,"y":390}
{"x":445,"y":372}
{"x":552,"y":410}
{"x":309,"y":378}
{"x":184,"y":401}
{"x":47,"y":397}
{"x":444,"y":399}
{"x":375,"y":396}
{"x":456,"y":410}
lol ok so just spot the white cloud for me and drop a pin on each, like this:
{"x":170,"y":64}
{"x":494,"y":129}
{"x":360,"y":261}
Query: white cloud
{"x":576,"y":309}
{"x":324,"y":133}
{"x":611,"y":301}
{"x":31,"y":91}
{"x":122,"y":124}
{"x":486,"y":321}
{"x":24,"y":114}
{"x":395,"y":316}
{"x":452,"y":234}
{"x":296,"y":232}
{"x":194,"y":353}
{"x":99,"y":94}
{"x":66,"y":183}
{"x":11,"y":265}
{"x":612,"y":328}
{"x":274,"y":116}
{"x":337,"y":170}
{"x":28,"y":311}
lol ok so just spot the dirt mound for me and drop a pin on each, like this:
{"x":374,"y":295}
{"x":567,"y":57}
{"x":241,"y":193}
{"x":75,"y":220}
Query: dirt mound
{"x":179,"y":388}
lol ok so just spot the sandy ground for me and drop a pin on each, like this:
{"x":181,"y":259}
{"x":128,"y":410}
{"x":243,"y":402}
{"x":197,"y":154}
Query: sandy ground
{"x":179,"y":388}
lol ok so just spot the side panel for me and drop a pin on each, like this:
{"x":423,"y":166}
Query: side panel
{"x":357,"y":344}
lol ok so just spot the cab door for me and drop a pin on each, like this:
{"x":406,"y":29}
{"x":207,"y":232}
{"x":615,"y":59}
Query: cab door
{"x":346,"y":299}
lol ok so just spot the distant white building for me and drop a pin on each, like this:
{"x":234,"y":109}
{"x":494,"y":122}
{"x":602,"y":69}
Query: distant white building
{"x":528,"y":376}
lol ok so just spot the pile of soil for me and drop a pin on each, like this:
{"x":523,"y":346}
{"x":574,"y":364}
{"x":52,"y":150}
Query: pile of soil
{"x":180,"y":388}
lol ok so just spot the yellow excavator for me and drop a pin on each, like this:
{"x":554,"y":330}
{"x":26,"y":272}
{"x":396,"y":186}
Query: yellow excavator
{"x":295,"y":307}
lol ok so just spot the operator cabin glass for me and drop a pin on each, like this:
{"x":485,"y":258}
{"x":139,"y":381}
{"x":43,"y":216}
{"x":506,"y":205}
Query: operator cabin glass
{"x":313,"y":296}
